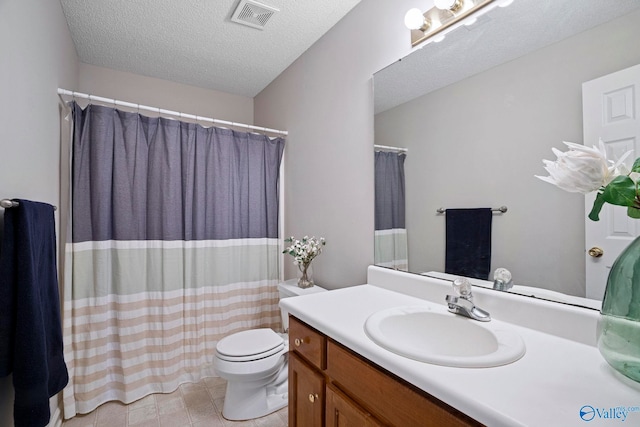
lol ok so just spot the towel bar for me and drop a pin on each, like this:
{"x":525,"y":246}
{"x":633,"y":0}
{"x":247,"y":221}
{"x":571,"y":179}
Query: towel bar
{"x":8,"y":203}
{"x":501,"y":209}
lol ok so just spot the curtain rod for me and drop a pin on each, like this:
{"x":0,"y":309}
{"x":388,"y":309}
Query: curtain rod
{"x":386,"y":147}
{"x":62,"y":92}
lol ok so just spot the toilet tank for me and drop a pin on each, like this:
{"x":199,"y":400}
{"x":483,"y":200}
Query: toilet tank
{"x":290,"y":288}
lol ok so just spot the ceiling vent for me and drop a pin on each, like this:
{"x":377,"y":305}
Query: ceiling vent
{"x":253,"y":13}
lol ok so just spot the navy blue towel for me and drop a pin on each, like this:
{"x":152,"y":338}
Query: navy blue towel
{"x":468,"y":249}
{"x":30,"y":331}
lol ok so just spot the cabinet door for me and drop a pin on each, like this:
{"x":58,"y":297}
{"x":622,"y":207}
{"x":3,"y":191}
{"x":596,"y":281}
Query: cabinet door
{"x":343,"y":412}
{"x":306,"y":394}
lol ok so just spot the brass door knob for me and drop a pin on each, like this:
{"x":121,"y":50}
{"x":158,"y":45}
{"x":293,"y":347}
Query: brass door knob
{"x":596,"y":252}
{"x":313,"y":397}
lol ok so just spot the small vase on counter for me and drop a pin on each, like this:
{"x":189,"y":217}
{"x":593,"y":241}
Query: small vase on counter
{"x":303,"y":252}
{"x":306,"y":276}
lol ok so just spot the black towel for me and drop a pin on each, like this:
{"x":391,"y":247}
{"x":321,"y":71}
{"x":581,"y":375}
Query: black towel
{"x":468,"y":249}
{"x":31,"y":333}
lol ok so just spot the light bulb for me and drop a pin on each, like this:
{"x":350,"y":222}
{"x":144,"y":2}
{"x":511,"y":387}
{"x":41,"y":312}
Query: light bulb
{"x":414,"y":19}
{"x":448,"y":4}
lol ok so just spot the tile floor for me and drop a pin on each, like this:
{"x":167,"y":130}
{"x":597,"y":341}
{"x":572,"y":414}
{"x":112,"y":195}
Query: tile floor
{"x":192,"y":405}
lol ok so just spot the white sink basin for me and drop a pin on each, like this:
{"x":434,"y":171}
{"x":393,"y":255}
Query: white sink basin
{"x":433,"y":335}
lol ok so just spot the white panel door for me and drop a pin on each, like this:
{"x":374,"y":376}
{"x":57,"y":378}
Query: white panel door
{"x":610,"y":108}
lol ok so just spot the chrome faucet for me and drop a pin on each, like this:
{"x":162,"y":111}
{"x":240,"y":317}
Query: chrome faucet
{"x":502,"y":279}
{"x":462,"y":302}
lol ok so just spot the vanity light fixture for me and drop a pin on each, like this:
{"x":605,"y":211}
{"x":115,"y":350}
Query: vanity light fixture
{"x":452,"y":5}
{"x":436,"y":22}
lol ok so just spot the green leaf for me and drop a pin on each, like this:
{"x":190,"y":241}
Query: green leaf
{"x":636,"y":165}
{"x":597,"y":207}
{"x":633,"y":212}
{"x":621,"y":191}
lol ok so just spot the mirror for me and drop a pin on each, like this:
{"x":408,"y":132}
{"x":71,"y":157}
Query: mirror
{"x":479,"y":111}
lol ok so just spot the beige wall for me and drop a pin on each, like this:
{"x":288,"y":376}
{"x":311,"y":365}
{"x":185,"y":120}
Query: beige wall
{"x":36,"y":57}
{"x":325,"y":101}
{"x":481,"y":141}
{"x":164,"y":94}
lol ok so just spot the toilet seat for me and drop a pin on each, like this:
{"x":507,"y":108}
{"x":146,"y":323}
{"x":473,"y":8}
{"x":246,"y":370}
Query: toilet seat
{"x":246,"y":346}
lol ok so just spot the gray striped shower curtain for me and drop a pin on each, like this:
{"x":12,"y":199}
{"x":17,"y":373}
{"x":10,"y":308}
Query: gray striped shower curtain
{"x":390,"y":235}
{"x":174,"y":245}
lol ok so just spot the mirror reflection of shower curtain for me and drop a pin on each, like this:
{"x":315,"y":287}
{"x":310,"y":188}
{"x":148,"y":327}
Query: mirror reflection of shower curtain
{"x":390,"y":233}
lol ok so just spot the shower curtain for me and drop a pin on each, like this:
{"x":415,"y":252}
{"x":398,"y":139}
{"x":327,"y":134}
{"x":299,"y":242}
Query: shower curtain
{"x":174,"y":245}
{"x":390,"y":245}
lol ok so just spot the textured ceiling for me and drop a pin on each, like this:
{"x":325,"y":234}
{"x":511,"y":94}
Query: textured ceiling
{"x":503,"y":35}
{"x":194,"y":41}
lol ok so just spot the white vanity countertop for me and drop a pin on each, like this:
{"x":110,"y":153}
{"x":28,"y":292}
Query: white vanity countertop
{"x":548,"y":386}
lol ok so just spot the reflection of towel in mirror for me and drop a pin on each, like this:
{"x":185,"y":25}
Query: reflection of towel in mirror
{"x":468,"y":249}
{"x":31,"y":333}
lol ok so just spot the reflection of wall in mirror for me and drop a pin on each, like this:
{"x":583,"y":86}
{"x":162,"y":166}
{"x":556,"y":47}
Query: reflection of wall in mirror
{"x":479,"y":143}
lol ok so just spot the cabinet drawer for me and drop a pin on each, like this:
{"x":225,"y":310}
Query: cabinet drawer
{"x":308,"y":343}
{"x":387,"y":397}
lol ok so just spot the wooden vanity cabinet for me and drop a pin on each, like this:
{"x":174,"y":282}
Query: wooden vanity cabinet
{"x":330,"y":385}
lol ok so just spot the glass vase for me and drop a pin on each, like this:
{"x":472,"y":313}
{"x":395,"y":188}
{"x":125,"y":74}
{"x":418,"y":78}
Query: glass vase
{"x":305,"y":279}
{"x":618,"y":330}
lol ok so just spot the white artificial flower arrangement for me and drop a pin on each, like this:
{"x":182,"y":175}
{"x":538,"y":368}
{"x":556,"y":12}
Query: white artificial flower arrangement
{"x":583,"y":170}
{"x":305,"y":250}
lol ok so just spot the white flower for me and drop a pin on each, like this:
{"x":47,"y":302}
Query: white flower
{"x":304,"y":251}
{"x":582,"y":169}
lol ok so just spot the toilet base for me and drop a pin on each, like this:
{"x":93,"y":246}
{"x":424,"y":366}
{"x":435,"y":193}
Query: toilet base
{"x":245,"y":401}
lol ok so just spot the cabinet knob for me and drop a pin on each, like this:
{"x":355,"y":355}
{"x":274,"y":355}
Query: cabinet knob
{"x":313,"y":397}
{"x":297,"y":342}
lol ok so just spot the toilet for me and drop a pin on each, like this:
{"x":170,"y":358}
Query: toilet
{"x":255,"y":365}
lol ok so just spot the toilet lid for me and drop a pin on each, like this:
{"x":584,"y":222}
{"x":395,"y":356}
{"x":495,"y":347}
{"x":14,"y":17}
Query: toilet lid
{"x":249,"y":345}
